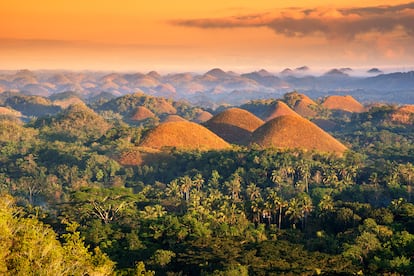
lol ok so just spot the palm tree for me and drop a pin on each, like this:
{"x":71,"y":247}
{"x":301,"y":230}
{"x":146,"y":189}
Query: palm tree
{"x":186,"y":184}
{"x":304,"y":171}
{"x":198,"y":181}
{"x":173,"y":189}
{"x":276,"y":178}
{"x":307,"y":208}
{"x":326,"y":204}
{"x":294,"y":211}
{"x":253,"y":191}
{"x":257,"y":207}
{"x":234,"y":186}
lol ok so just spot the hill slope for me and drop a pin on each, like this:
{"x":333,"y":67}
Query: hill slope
{"x":234,"y":125}
{"x":295,"y":132}
{"x":183,"y":135}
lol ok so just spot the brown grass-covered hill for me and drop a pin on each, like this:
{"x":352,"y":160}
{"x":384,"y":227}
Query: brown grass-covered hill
{"x":77,"y":122}
{"x":183,"y":135}
{"x":343,"y":103}
{"x":173,"y":118}
{"x":234,"y":125}
{"x":202,"y":116}
{"x":141,"y":113}
{"x":268,"y":109}
{"x":301,"y":104}
{"x":295,"y":132}
{"x":404,"y":114}
{"x":277,"y":109}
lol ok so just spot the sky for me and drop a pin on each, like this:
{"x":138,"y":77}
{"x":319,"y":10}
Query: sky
{"x":182,"y":35}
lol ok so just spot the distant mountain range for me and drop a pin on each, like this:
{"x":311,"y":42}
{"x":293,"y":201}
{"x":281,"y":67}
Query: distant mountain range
{"x":215,"y":87}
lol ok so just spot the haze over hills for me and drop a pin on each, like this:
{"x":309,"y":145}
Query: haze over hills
{"x":215,"y":86}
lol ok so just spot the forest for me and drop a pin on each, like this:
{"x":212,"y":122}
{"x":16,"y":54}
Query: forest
{"x":70,"y":205}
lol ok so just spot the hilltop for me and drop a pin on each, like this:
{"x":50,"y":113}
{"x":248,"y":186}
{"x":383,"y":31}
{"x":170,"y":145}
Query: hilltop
{"x":295,"y":132}
{"x":141,"y":113}
{"x":183,"y":135}
{"x":344,"y":103}
{"x":234,"y":125}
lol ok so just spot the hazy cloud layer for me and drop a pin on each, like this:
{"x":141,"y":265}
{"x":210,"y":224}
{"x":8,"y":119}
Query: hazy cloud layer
{"x":332,"y":23}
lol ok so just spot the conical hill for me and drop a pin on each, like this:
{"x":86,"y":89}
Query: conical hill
{"x":234,"y":125}
{"x":183,"y":135}
{"x":295,"y":132}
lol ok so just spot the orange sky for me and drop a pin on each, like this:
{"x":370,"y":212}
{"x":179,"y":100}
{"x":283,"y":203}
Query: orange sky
{"x":186,"y":35}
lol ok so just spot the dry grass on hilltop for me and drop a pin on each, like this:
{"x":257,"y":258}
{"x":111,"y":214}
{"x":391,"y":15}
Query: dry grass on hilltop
{"x":295,"y":132}
{"x":183,"y":135}
{"x":344,"y":103}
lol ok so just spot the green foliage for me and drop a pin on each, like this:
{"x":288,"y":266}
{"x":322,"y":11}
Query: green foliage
{"x":246,"y":211}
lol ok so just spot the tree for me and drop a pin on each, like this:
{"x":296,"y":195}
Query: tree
{"x":253,"y":191}
{"x":186,"y":185}
{"x":307,"y":208}
{"x":304,"y":171}
{"x":30,"y":247}
{"x":106,"y":204}
{"x":234,"y":186}
{"x":294,"y":211}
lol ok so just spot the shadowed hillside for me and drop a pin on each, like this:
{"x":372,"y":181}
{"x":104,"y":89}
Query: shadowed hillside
{"x":295,"y":132}
{"x":234,"y":125}
{"x":183,"y":135}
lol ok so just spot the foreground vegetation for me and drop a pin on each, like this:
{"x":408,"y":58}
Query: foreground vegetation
{"x":242,"y":210}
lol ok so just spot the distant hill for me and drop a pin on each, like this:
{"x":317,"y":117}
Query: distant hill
{"x":343,"y":103}
{"x":66,"y":99}
{"x":183,"y":135}
{"x":127,"y":104}
{"x":374,"y":71}
{"x":141,"y":113}
{"x":234,"y":125}
{"x":403,"y":114}
{"x":32,"y":105}
{"x":295,"y":132}
{"x":77,"y":122}
{"x":202,"y":116}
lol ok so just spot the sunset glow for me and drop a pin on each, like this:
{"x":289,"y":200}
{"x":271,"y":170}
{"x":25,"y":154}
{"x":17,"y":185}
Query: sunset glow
{"x":193,"y":36}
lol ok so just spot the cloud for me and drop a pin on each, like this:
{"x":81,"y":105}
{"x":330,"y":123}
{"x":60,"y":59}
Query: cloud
{"x":331,"y":23}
